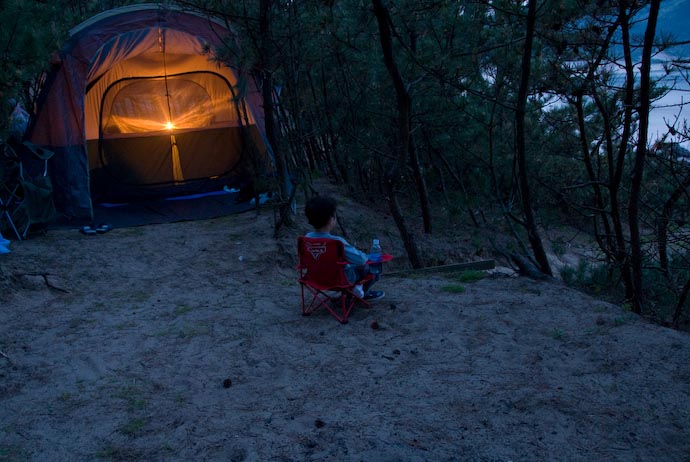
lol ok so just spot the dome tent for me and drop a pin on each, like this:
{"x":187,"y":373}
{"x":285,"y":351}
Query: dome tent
{"x":139,"y":107}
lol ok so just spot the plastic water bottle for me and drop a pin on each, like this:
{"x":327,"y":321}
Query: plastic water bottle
{"x":375,"y":257}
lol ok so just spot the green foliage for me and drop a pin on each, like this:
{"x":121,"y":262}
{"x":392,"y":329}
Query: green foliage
{"x":558,"y":247}
{"x":28,"y":35}
{"x":12,"y":453}
{"x":453,"y":288}
{"x":134,"y":397}
{"x":133,"y":427}
{"x":662,"y":290}
{"x":468,"y":276}
{"x":558,"y":334}
{"x":31,"y":34}
{"x":593,"y":278}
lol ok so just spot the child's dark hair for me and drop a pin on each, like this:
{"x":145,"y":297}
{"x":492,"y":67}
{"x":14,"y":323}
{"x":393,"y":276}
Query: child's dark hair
{"x":319,"y":210}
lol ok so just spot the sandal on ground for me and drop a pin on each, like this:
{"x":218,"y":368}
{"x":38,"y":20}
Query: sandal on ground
{"x":373,"y":295}
{"x":87,"y":230}
{"x":103,"y":228}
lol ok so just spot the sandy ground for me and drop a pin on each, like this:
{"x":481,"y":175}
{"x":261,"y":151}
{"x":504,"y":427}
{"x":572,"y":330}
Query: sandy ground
{"x":184,"y":342}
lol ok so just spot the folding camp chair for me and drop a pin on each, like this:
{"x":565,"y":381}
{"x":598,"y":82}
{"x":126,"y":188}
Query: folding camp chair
{"x":26,"y":192}
{"x":322,"y":273}
{"x":9,"y":188}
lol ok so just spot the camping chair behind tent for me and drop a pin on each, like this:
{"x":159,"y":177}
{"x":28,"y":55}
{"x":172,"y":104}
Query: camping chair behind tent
{"x":322,"y":273}
{"x":27,"y":192}
{"x":9,"y":188}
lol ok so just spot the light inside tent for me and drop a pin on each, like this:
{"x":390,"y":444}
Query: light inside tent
{"x":142,"y":106}
{"x":133,"y":107}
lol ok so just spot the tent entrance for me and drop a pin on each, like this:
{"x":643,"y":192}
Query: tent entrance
{"x":164,"y":135}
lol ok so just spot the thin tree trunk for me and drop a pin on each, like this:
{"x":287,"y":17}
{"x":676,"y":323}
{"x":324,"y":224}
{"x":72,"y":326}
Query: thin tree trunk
{"x":343,"y":158}
{"x":681,"y":302}
{"x":407,"y":237}
{"x":620,"y":254}
{"x":455,"y":177}
{"x":325,"y":136}
{"x":404,"y":110}
{"x":267,"y":94}
{"x":422,"y":190}
{"x":617,"y":166}
{"x":608,"y":246}
{"x":662,"y":229}
{"x":640,"y":155}
{"x":408,"y":150}
{"x":530,"y":222}
{"x":607,"y":241}
{"x":417,"y":171}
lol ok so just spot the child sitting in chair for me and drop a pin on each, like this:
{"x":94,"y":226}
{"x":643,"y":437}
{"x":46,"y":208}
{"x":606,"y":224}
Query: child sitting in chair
{"x":321,"y":213}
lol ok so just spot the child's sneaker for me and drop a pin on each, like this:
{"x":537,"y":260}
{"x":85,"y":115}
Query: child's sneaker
{"x":358,"y":290}
{"x":373,"y":295}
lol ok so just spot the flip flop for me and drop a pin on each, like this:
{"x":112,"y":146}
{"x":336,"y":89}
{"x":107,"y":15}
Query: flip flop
{"x":87,"y":230}
{"x":103,"y":228}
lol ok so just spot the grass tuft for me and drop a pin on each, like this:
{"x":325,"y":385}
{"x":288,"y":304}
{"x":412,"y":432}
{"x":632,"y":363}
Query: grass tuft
{"x":453,"y":289}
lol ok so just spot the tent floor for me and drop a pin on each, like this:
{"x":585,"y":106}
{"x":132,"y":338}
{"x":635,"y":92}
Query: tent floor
{"x":201,"y":207}
{"x":162,"y":210}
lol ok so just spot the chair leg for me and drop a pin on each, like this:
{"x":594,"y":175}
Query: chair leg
{"x":342,"y":307}
{"x":339,"y":307}
{"x":25,"y":233}
{"x":318,"y":300}
{"x":9,"y":219}
{"x":8,"y":206}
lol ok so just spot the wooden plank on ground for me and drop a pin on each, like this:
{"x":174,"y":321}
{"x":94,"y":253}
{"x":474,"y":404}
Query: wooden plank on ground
{"x":480,"y":265}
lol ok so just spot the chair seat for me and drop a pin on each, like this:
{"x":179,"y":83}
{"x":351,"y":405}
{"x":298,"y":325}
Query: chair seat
{"x":322,"y":278}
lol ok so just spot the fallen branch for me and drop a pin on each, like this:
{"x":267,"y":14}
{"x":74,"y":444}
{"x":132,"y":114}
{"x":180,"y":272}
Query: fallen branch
{"x":469,"y":266}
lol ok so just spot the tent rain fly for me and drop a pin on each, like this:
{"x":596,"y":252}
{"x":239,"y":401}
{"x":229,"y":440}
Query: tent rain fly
{"x":139,"y":107}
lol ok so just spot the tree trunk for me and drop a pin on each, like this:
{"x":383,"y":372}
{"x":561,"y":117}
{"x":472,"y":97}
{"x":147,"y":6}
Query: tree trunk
{"x":267,"y":94}
{"x":404,"y":110}
{"x":662,"y":227}
{"x":408,"y":153}
{"x":606,"y":242}
{"x":681,"y":302}
{"x":616,"y":162}
{"x":640,"y":155}
{"x":326,"y":135}
{"x":408,"y":239}
{"x":422,"y":191}
{"x":619,"y":250}
{"x":530,"y":222}
{"x":455,"y":177}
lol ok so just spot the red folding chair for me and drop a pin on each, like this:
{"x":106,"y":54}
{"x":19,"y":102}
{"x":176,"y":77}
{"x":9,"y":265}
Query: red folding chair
{"x":322,"y":273}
